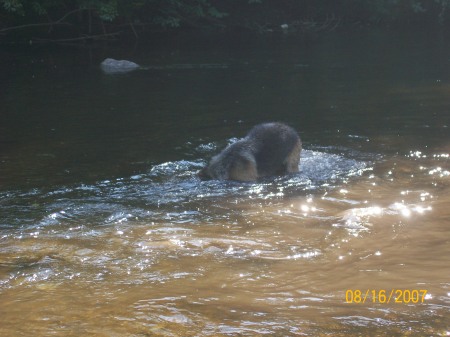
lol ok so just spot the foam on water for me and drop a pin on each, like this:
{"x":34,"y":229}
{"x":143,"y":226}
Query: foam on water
{"x":170,"y":186}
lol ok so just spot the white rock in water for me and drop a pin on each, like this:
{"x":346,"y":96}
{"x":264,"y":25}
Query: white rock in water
{"x":118,"y":66}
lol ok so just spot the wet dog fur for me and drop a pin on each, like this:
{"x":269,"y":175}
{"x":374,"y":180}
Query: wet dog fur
{"x":268,"y":149}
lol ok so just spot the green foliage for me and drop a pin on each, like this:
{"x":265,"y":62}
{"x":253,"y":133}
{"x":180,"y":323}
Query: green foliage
{"x":39,"y":8}
{"x":444,"y":4}
{"x":29,"y":7}
{"x":164,"y":13}
{"x":260,"y":15}
{"x":214,"y":12}
{"x":107,"y":11}
{"x":167,"y":21}
{"x":14,"y":6}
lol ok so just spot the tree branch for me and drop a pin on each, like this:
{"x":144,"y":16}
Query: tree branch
{"x":57,"y":22}
{"x":87,"y":37}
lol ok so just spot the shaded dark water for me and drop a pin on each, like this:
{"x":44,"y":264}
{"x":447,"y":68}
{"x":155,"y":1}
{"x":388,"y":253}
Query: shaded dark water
{"x":105,"y":229}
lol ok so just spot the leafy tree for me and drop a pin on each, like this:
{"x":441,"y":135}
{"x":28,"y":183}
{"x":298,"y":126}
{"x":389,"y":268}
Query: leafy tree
{"x":90,"y":17}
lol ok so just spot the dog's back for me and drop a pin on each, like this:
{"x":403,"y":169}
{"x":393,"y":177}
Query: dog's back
{"x":268,"y":149}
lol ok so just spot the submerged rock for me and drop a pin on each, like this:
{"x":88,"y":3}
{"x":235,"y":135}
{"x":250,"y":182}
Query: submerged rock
{"x":111,"y":66}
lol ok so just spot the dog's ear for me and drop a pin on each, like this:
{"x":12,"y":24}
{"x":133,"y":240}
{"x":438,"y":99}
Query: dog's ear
{"x":203,"y":174}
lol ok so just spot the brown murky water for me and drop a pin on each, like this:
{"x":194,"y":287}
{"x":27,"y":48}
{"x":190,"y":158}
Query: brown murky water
{"x":106,"y":231}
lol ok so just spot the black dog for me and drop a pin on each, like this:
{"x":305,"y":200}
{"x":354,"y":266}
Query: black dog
{"x":268,"y":149}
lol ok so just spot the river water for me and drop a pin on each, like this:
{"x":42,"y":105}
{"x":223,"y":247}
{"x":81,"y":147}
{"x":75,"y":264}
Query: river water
{"x":105,"y":230}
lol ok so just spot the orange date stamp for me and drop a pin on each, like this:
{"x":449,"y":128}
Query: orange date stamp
{"x":405,"y":296}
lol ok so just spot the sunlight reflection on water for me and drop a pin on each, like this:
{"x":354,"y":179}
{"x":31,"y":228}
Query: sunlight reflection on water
{"x":174,"y":234}
{"x":111,"y":232}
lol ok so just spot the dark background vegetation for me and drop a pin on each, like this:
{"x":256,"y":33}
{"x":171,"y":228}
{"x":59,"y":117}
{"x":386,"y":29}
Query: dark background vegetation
{"x":51,"y":20}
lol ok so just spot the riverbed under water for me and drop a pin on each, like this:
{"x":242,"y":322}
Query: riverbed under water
{"x":106,"y":230}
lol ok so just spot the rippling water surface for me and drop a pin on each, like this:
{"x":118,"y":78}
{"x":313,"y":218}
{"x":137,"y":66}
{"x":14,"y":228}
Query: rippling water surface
{"x":105,"y":229}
